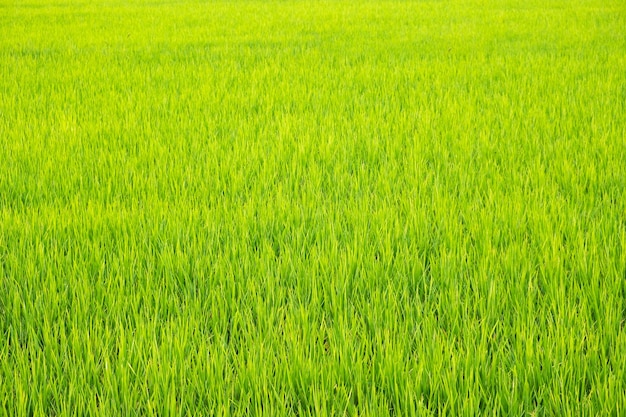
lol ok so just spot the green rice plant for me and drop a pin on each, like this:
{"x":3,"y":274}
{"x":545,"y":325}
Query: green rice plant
{"x":312,"y":208}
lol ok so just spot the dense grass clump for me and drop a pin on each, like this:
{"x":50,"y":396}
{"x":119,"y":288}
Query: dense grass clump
{"x":312,"y":207}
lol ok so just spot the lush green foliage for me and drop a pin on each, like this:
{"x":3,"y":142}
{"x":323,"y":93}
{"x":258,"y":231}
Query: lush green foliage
{"x":312,"y":208}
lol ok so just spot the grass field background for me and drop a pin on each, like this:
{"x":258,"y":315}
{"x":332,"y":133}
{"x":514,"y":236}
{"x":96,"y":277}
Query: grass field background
{"x":312,"y":208}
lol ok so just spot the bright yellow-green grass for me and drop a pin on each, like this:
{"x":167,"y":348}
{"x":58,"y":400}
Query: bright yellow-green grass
{"x":312,"y":208}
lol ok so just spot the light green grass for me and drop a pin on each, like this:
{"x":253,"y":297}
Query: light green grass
{"x":312,"y":208}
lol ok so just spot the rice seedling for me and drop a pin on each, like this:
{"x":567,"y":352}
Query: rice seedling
{"x":312,"y":208}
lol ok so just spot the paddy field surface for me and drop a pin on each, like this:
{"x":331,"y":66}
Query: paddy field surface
{"x":298,"y":208}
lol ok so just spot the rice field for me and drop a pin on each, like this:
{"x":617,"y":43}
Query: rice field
{"x":312,"y":208}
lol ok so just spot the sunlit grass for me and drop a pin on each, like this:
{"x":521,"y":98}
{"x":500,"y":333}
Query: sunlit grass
{"x":312,"y":208}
